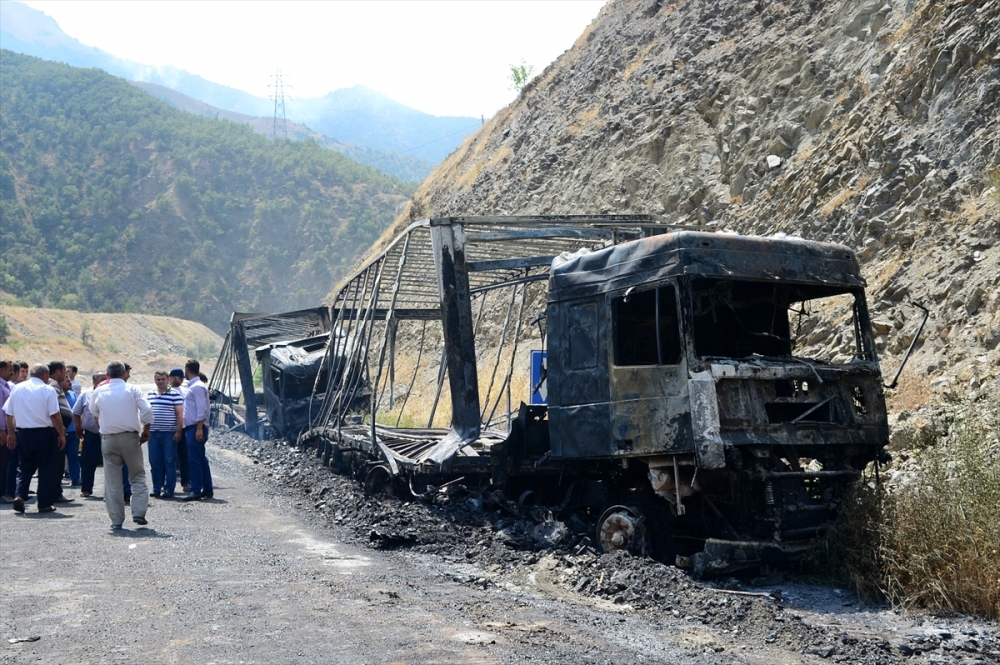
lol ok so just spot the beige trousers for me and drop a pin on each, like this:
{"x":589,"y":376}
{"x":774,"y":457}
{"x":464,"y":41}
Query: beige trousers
{"x":119,"y":449}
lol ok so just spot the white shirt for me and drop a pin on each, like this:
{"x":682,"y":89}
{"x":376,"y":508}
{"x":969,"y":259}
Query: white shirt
{"x":32,"y":402}
{"x":120,"y":407}
{"x":196,"y":403}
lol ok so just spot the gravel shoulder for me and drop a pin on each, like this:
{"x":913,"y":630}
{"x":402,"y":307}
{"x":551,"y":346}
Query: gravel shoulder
{"x":261,"y":575}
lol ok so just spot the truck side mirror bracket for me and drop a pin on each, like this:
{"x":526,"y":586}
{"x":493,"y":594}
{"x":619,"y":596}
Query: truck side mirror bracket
{"x":909,"y":351}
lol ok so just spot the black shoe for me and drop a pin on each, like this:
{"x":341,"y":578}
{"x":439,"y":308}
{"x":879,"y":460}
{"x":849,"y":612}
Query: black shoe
{"x":166,"y":496}
{"x":128,"y":498}
{"x":141,"y":521}
{"x":193,"y":496}
{"x":18,"y":504}
{"x":155,"y":494}
{"x":207,"y":495}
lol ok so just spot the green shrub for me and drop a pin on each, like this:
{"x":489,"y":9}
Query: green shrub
{"x":932,"y":539}
{"x":520,"y":74}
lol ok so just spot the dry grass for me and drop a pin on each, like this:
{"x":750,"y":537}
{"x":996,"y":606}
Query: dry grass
{"x":993,"y":180}
{"x":933,"y":539}
{"x":913,"y":392}
{"x":844,"y":195}
{"x":144,"y":341}
{"x":637,"y":62}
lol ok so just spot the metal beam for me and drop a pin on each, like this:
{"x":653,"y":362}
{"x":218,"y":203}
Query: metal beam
{"x":510,"y":264}
{"x":535,"y":234}
{"x":456,"y":319}
{"x":239,"y":343}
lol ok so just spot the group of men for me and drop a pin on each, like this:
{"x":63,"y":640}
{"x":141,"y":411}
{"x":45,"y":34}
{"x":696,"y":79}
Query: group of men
{"x":48,"y":424}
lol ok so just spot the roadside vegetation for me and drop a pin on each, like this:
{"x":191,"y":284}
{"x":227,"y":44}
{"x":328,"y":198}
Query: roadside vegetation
{"x":930,"y":536}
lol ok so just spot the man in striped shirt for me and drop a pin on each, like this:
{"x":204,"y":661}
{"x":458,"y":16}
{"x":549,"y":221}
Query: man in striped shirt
{"x":165,"y":434}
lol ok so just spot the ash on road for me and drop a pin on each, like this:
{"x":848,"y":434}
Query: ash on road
{"x":253,"y":577}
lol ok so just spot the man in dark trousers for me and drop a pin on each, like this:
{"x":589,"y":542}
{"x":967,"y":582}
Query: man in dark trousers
{"x":86,"y":427}
{"x":18,"y":374}
{"x":176,"y":379}
{"x":196,"y":409}
{"x":57,"y":373}
{"x":34,"y":407}
{"x":6,"y":370}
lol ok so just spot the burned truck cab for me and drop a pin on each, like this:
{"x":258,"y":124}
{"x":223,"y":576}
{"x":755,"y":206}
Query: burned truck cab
{"x":288,"y":376}
{"x":738,"y":373}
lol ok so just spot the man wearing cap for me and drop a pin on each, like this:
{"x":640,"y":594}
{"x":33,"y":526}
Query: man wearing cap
{"x":40,"y":438}
{"x":176,"y":378}
{"x":196,"y":410}
{"x":83,"y":419}
{"x":123,"y":416}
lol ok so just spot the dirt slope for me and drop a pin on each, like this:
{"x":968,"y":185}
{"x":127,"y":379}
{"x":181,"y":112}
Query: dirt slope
{"x":874,"y":124}
{"x":148,"y":343}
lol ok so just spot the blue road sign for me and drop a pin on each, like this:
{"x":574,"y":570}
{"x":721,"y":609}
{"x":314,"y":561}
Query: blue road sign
{"x":539,"y":389}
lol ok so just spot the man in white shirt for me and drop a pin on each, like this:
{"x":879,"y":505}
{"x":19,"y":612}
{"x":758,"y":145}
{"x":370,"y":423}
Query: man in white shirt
{"x":33,"y":412}
{"x":196,"y":412}
{"x":123,"y":416}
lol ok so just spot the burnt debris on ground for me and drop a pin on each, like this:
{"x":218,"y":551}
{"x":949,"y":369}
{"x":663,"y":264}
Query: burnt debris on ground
{"x":508,"y":541}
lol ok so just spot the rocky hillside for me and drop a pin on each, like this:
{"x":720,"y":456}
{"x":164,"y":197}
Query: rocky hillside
{"x":874,"y":124}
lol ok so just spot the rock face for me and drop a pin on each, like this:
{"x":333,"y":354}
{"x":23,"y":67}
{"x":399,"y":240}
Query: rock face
{"x":873,"y":124}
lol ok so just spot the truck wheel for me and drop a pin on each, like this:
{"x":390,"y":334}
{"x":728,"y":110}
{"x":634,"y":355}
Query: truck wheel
{"x":378,"y":481}
{"x":622,"y":528}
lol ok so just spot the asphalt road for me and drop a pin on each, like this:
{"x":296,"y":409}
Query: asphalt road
{"x":248,"y":578}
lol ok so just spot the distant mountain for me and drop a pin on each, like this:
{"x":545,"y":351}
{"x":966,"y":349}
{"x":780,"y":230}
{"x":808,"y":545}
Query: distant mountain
{"x":111,"y":200}
{"x":355,"y":115}
{"x":366,"y":117}
{"x":404,"y":167}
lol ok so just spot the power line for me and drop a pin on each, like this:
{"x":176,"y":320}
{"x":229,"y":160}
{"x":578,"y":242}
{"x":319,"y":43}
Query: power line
{"x":279,"y":103}
{"x":464,"y":129}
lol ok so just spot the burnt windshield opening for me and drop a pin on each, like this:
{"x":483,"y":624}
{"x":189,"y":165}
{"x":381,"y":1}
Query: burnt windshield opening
{"x":645,"y":325}
{"x":741,"y":319}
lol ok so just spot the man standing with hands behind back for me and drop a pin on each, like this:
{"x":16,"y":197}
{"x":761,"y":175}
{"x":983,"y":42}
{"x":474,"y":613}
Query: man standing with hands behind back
{"x":123,"y":416}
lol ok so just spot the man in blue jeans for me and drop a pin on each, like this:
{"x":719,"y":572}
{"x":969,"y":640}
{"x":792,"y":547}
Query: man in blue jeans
{"x":196,"y":410}
{"x":86,"y":427}
{"x":165,"y":434}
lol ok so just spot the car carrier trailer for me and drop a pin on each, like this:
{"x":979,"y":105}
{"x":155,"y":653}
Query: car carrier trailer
{"x":711,"y":397}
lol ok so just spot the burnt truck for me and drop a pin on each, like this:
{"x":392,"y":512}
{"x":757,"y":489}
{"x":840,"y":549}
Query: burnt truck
{"x":710,"y":397}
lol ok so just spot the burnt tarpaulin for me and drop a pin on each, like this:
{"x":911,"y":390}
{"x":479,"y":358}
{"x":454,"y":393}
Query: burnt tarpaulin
{"x":659,"y":257}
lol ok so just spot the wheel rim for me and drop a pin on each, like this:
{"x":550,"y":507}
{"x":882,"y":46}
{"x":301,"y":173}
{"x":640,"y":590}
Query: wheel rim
{"x":619,"y":529}
{"x":378,"y":482}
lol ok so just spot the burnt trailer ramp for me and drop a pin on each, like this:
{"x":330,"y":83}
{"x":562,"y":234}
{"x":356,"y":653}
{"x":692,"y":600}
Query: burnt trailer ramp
{"x":710,"y":397}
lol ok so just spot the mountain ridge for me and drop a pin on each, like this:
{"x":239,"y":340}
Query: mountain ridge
{"x":402,"y":129}
{"x":398,"y":165}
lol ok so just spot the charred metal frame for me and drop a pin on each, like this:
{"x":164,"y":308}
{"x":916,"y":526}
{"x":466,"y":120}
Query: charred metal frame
{"x":699,"y":427}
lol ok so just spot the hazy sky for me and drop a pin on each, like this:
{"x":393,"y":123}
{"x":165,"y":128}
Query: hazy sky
{"x":445,"y":58}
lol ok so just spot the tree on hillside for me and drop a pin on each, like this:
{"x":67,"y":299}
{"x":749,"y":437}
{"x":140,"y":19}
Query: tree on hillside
{"x":114,"y":201}
{"x":520,"y":75}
